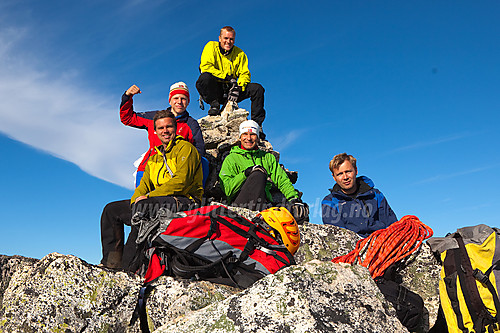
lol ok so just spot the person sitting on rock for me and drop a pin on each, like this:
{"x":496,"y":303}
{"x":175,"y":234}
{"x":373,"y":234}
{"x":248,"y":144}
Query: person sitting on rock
{"x":187,"y":126}
{"x":224,"y":71}
{"x":248,"y":173}
{"x":353,"y":202}
{"x":172,"y":179}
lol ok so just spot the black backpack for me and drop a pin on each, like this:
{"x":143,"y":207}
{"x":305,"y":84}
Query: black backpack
{"x":409,"y":305}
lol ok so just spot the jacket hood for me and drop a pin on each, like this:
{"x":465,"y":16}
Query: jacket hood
{"x":365,"y":185}
{"x":183,"y":116}
{"x":239,"y":150}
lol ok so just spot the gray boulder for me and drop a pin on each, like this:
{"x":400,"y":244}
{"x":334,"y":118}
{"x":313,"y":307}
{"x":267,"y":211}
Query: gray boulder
{"x":64,"y":293}
{"x":419,"y":272}
{"x":316,"y":297}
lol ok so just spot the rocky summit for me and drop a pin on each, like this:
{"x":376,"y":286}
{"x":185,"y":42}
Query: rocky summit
{"x":63,"y":293}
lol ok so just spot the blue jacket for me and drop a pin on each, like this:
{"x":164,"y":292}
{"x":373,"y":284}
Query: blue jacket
{"x":368,"y":212}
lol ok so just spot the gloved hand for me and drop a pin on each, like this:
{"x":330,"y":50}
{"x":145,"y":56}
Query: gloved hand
{"x":232,"y":80}
{"x":258,"y":168}
{"x":299,"y":210}
{"x":234,"y":93}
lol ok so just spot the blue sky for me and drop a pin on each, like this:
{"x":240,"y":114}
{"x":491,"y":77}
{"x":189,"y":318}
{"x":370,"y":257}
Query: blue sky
{"x":410,"y":89}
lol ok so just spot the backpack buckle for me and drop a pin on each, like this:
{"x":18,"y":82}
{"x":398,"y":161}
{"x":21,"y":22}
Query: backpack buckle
{"x":266,"y":250}
{"x":480,"y":276}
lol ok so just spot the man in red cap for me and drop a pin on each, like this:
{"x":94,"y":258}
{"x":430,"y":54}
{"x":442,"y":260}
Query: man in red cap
{"x":187,"y":126}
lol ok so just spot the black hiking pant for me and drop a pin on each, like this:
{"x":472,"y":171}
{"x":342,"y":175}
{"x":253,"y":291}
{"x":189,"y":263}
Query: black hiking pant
{"x":252,"y":194}
{"x":212,"y":89}
{"x":116,"y":214}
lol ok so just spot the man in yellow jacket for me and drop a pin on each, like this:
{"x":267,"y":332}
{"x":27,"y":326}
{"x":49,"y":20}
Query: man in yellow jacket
{"x":172,"y":179}
{"x":224,"y":71}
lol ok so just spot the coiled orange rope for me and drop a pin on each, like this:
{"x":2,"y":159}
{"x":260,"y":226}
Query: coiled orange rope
{"x":386,"y":246}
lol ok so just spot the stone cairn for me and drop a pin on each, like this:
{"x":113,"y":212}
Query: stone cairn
{"x":220,"y":133}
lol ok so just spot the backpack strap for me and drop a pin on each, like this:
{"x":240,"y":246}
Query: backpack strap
{"x":197,"y":243}
{"x":450,"y":283}
{"x":484,"y":278}
{"x":182,"y":265}
{"x":254,"y":239}
{"x":140,"y":309}
{"x":480,"y":315}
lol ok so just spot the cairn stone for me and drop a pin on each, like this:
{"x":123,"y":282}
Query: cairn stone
{"x":220,"y":133}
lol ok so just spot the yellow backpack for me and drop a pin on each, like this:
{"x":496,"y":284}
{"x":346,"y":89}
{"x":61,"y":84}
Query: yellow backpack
{"x":468,"y":288}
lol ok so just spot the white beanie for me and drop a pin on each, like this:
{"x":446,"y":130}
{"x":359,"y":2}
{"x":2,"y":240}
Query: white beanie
{"x":249,"y":126}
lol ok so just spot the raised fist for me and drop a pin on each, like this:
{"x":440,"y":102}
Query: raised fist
{"x":133,"y":90}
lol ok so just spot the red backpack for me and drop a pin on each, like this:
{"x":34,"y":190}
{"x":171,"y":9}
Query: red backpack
{"x":210,"y":243}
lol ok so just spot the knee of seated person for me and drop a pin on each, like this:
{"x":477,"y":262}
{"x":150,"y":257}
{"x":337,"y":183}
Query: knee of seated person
{"x":261,"y":88}
{"x":110,"y":206}
{"x":257,"y":87}
{"x":257,"y":175}
{"x":206,"y":77}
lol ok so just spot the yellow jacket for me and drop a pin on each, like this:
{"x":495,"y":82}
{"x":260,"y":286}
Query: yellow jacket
{"x":219,"y":65}
{"x":183,"y":160}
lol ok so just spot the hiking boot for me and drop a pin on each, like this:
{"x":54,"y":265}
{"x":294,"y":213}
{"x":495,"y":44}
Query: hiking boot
{"x":114,"y":260}
{"x":214,"y":109}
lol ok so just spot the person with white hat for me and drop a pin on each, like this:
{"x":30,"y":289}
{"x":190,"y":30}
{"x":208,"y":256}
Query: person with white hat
{"x":187,"y":126}
{"x":248,"y":173}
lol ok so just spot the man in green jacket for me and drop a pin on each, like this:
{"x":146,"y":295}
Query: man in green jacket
{"x":224,"y":71}
{"x":248,"y":173}
{"x":172,"y":179}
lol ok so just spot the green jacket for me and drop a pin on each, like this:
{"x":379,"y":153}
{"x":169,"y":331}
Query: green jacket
{"x":235,"y":63}
{"x":232,"y":173}
{"x":183,"y":160}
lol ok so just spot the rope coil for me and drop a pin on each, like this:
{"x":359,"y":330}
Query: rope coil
{"x":387,"y":246}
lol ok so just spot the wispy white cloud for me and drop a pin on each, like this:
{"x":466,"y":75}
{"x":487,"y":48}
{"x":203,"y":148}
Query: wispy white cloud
{"x":428,"y":143}
{"x":442,"y":177}
{"x":64,"y":116}
{"x":283,"y":142}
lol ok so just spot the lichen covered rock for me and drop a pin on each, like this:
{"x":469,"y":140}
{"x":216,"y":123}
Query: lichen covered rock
{"x":65,"y":294}
{"x":421,"y":275}
{"x":324,"y":242}
{"x":316,"y":297}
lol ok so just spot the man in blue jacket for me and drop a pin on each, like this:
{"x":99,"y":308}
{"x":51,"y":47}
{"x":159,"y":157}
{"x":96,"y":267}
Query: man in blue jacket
{"x":353,"y":202}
